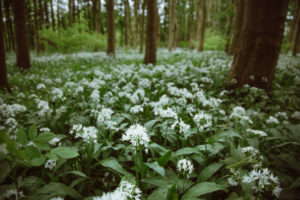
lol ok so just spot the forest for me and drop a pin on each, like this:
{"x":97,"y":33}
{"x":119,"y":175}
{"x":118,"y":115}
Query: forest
{"x":149,"y":99}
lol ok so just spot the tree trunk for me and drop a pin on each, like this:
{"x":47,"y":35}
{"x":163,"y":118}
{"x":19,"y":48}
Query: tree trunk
{"x":150,"y":54}
{"x":172,"y":19}
{"x":97,"y":15}
{"x":296,"y":40}
{"x":157,"y":26}
{"x":36,"y":26}
{"x":255,"y":61}
{"x":202,"y":26}
{"x":41,"y":13}
{"x":240,"y":6}
{"x":52,"y":15}
{"x":9,"y":26}
{"x":110,"y":28}
{"x":135,"y":22}
{"x":58,"y":15}
{"x":23,"y":57}
{"x":292,"y":27}
{"x":127,"y":23}
{"x":228,"y":27}
{"x":46,"y":14}
{"x":142,"y":27}
{"x":191,"y":24}
{"x":3,"y":72}
{"x":70,"y":5}
{"x":30,"y":26}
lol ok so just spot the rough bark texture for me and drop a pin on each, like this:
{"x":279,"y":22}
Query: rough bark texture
{"x":142,"y":27}
{"x":240,"y":10}
{"x":228,"y":28}
{"x":23,"y":57}
{"x":127,"y":23}
{"x":255,"y":60}
{"x":97,"y":15}
{"x":135,"y":22}
{"x":9,"y":26}
{"x":296,"y":40}
{"x":202,"y":26}
{"x":110,"y":28}
{"x":52,"y":15}
{"x":36,"y":26}
{"x":150,"y":54}
{"x":172,"y":19}
{"x":3,"y":72}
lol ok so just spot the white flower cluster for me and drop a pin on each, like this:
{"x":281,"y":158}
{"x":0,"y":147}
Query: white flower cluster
{"x":211,"y":101}
{"x":183,"y":127}
{"x":56,"y":198}
{"x":296,"y":115}
{"x":239,"y":112}
{"x":125,"y":191}
{"x":95,"y":96}
{"x":136,"y":109}
{"x":50,"y":164}
{"x":272,"y":120}
{"x":254,"y":156}
{"x":57,"y":93}
{"x":88,"y":134}
{"x":256,"y":132}
{"x":137,"y":136}
{"x":44,"y":109}
{"x":12,"y":192}
{"x":11,"y":124}
{"x":41,"y":86}
{"x":104,"y":118}
{"x":203,"y":120}
{"x":185,"y":167}
{"x":11,"y":110}
{"x":167,"y":113}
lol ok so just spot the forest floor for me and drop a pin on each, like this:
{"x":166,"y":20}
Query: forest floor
{"x":83,"y":124}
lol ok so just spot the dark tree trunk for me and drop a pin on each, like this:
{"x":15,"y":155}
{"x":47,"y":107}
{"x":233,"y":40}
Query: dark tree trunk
{"x":228,"y":27}
{"x":9,"y":26}
{"x":110,"y":28}
{"x":202,"y":26}
{"x":127,"y":23}
{"x":23,"y":57}
{"x":46,"y":14}
{"x":52,"y":15}
{"x":70,"y":15}
{"x":291,"y":34}
{"x":296,"y":40}
{"x":142,"y":27}
{"x":135,"y":22}
{"x":41,"y":13}
{"x":157,"y":26}
{"x":97,"y":15}
{"x":36,"y":25}
{"x":240,"y":6}
{"x":191,"y":24}
{"x":256,"y":58}
{"x":78,"y":10}
{"x":172,"y":19}
{"x":150,"y":54}
{"x":3,"y":72}
{"x":58,"y":15}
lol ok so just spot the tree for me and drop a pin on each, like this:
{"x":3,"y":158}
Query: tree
{"x":3,"y":73}
{"x":172,"y":19}
{"x":9,"y":25}
{"x":228,"y":26}
{"x":151,"y":37}
{"x":46,"y":14}
{"x":240,"y":10}
{"x":256,"y":58}
{"x":97,"y":16}
{"x":191,"y":24}
{"x":142,"y":27}
{"x":23,"y":57}
{"x":202,"y":25}
{"x":127,"y":23}
{"x":71,"y":15}
{"x":110,"y":28}
{"x":41,"y":13}
{"x":135,"y":22}
{"x":52,"y":15}
{"x":296,"y":40}
{"x":36,"y":26}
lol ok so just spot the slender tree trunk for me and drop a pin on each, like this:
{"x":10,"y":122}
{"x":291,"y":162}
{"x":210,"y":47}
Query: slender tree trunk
{"x":74,"y":10}
{"x":228,"y":27}
{"x":70,"y":5}
{"x":150,"y":54}
{"x":202,"y":26}
{"x":142,"y":27}
{"x":36,"y":26}
{"x":41,"y":13}
{"x":240,"y":5}
{"x":127,"y":23}
{"x":46,"y":14}
{"x":58,"y":15}
{"x":78,"y":10}
{"x":52,"y":15}
{"x":23,"y":57}
{"x":30,"y":27}
{"x":172,"y":19}
{"x":135,"y":22}
{"x":191,"y":24}
{"x":110,"y":28}
{"x":96,"y":15}
{"x":157,"y":26}
{"x":209,"y":12}
{"x":3,"y":72}
{"x":9,"y":26}
{"x":296,"y":40}
{"x":255,"y":61}
{"x":291,"y":34}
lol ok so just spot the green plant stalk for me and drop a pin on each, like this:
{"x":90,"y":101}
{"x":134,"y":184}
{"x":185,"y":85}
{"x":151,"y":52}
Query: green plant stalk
{"x":166,"y":137}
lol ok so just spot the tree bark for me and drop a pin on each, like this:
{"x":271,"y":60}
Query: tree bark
{"x":135,"y":22}
{"x":191,"y":24}
{"x":36,"y":26}
{"x":46,"y":14}
{"x":23,"y":57}
{"x":127,"y":23}
{"x":150,"y":54}
{"x":172,"y":19}
{"x":202,"y":26}
{"x":256,"y":58}
{"x":52,"y":16}
{"x":228,"y":27}
{"x":9,"y":26}
{"x":240,"y":10}
{"x":70,"y":5}
{"x":296,"y":40}
{"x":157,"y":26}
{"x":110,"y":28}
{"x":3,"y":72}
{"x":41,"y":13}
{"x":97,"y":15}
{"x":58,"y":15}
{"x":142,"y":27}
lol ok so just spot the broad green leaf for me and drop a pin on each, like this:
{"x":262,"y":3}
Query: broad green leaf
{"x":32,"y":133}
{"x":10,"y":146}
{"x":186,"y":151}
{"x":172,"y":194}
{"x":113,"y":164}
{"x":65,"y":152}
{"x":38,"y":161}
{"x":75,"y":172}
{"x":207,"y":172}
{"x":32,"y":152}
{"x":22,"y":137}
{"x":150,"y":123}
{"x":159,"y":194}
{"x":157,"y":168}
{"x":157,"y":181}
{"x":164,"y":159}
{"x":59,"y":189}
{"x":201,"y":189}
{"x":45,"y":137}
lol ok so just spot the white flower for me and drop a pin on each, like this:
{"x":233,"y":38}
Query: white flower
{"x":257,"y":132}
{"x":167,"y":113}
{"x":54,"y":141}
{"x":57,"y":93}
{"x":104,"y":118}
{"x":136,"y":135}
{"x":95,"y":96}
{"x":45,"y":129}
{"x":136,"y":109}
{"x":57,"y":198}
{"x":50,"y":164}
{"x":203,"y":120}
{"x":88,"y":134}
{"x":40,"y":86}
{"x":272,"y":120}
{"x":276,"y":191}
{"x":12,"y":192}
{"x":185,"y":167}
{"x":232,"y":182}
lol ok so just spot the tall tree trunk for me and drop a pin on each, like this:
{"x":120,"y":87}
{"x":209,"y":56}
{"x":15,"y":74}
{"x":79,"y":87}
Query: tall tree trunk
{"x":3,"y":72}
{"x":30,"y":26}
{"x":172,"y":19}
{"x":150,"y":54}
{"x":157,"y":25}
{"x":41,"y":13}
{"x":142,"y":27}
{"x":291,"y":34}
{"x":36,"y":26}
{"x":191,"y":24}
{"x":110,"y":28}
{"x":255,"y":61}
{"x":296,"y":40}
{"x":228,"y":26}
{"x":240,"y":6}
{"x":70,"y":5}
{"x":78,"y":10}
{"x":58,"y":15}
{"x":202,"y":26}
{"x":52,"y":15}
{"x":23,"y":57}
{"x":135,"y":22}
{"x":74,"y":10}
{"x":9,"y":26}
{"x":96,"y":15}
{"x":46,"y":14}
{"x":127,"y":23}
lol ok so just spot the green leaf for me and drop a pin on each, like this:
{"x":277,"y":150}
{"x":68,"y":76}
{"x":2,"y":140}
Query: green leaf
{"x":186,"y":151}
{"x":5,"y":170}
{"x":38,"y":161}
{"x":157,"y":168}
{"x":45,"y":137}
{"x":157,"y":181}
{"x":201,"y":189}
{"x":65,"y":152}
{"x":207,"y":172}
{"x":150,"y":124}
{"x":32,"y":133}
{"x":113,"y":164}
{"x":59,"y":189}
{"x":32,"y":152}
{"x":22,"y":137}
{"x":75,"y":172}
{"x":172,"y":194}
{"x":159,"y":194}
{"x":164,"y":159}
